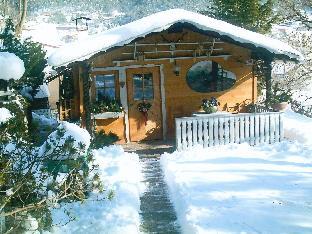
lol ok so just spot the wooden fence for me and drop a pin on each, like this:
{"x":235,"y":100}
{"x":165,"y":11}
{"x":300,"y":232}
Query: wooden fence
{"x":211,"y":130}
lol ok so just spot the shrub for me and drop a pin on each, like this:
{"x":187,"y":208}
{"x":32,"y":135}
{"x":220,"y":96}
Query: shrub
{"x":101,"y":139}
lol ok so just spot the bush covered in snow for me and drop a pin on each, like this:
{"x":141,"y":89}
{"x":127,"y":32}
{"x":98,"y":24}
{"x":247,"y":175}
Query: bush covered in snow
{"x":11,"y":66}
{"x":34,"y":179}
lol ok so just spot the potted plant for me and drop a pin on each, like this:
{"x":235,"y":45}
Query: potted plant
{"x":280,"y":98}
{"x":210,"y":106}
{"x":107,"y":108}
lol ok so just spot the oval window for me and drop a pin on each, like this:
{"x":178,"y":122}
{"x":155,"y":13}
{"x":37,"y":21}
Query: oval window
{"x":209,"y":76}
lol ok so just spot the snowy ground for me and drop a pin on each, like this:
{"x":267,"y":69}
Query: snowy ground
{"x":120,"y":172}
{"x":244,"y":189}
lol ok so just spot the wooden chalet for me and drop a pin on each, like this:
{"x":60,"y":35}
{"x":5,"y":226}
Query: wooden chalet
{"x":171,"y":60}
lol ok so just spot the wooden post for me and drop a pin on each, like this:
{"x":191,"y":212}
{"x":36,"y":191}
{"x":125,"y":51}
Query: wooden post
{"x":268,"y":81}
{"x":86,"y":97}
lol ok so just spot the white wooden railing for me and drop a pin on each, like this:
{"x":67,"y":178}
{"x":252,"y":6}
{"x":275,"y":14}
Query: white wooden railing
{"x":211,"y":130}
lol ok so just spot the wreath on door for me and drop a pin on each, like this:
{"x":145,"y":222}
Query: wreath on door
{"x":144,"y":107}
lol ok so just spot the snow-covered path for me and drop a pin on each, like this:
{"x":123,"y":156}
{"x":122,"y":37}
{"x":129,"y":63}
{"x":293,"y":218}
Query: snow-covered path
{"x":157,"y":211}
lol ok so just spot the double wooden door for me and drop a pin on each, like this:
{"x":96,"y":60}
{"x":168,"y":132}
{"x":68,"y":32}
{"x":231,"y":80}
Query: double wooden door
{"x":143,"y":88}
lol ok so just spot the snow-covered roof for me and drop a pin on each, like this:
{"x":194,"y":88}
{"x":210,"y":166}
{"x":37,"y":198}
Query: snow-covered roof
{"x":121,"y":35}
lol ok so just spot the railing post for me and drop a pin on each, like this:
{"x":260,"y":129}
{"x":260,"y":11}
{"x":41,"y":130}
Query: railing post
{"x":178,"y":133}
{"x":281,"y":119}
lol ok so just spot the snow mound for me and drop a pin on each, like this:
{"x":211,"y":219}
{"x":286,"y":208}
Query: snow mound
{"x":297,"y":127}
{"x":84,"y":49}
{"x":11,"y":66}
{"x":5,"y":115}
{"x":242,"y":189}
{"x":121,"y":172}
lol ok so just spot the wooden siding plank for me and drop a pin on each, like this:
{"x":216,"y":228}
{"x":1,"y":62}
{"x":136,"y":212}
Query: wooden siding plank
{"x":189,"y":133}
{"x":247,"y":128}
{"x":216,"y":131}
{"x":256,"y":126}
{"x":236,"y":121}
{"x":205,"y":133}
{"x":184,"y":143}
{"x":200,"y":132}
{"x":272,"y":128}
{"x":267,"y":128}
{"x":232,"y":129}
{"x":277,"y":128}
{"x":261,"y":132}
{"x":241,"y":129}
{"x":178,"y":134}
{"x":226,"y":130}
{"x":252,"y":130}
{"x":210,"y":131}
{"x":195,"y":138}
{"x":281,"y":119}
{"x":221,"y":130}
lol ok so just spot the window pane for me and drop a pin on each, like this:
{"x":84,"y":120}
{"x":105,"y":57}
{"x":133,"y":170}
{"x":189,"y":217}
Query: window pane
{"x":148,"y":79}
{"x":148,"y":93}
{"x":99,"y":81}
{"x":105,"y":86}
{"x":138,"y":94}
{"x":109,"y":80}
{"x":209,"y":76}
{"x":110,"y":93}
{"x":100,"y":94}
{"x":137,"y":80}
{"x":137,"y":86}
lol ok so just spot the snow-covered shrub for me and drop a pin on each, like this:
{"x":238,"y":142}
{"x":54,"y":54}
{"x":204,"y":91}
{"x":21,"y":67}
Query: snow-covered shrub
{"x":34,"y":179}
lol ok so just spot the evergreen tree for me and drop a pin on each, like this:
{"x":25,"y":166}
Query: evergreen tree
{"x":254,"y":15}
{"x":30,"y":52}
{"x":29,"y":184}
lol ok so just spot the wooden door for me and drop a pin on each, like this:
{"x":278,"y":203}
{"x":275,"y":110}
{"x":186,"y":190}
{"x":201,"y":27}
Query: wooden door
{"x":143,"y":86}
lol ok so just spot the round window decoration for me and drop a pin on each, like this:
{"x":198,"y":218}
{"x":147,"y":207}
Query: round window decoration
{"x":209,"y":76}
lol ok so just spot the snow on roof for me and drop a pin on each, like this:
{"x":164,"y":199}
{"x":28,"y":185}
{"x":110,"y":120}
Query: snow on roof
{"x":121,"y":35}
{"x":11,"y":66}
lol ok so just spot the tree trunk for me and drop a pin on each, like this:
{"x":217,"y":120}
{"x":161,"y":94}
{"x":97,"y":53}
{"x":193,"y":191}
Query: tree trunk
{"x":19,"y":26}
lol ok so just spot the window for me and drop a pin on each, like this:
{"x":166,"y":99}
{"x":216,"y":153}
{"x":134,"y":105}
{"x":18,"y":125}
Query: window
{"x":143,"y":86}
{"x":209,"y":76}
{"x":105,"y":87}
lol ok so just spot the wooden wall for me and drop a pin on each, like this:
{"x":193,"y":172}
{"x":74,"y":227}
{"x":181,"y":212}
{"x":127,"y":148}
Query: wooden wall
{"x":180,"y":99}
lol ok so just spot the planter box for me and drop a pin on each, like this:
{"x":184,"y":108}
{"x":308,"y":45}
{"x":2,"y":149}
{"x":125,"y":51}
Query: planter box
{"x":109,"y":115}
